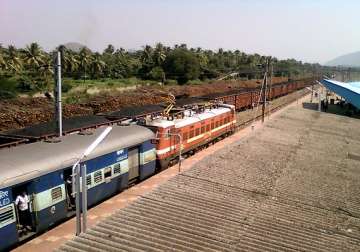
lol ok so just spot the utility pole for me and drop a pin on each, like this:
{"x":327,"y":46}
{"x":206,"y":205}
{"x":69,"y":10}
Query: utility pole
{"x":57,"y":92}
{"x":265,"y":81}
{"x":270,"y":85}
{"x":84,"y":197}
{"x":79,"y":171}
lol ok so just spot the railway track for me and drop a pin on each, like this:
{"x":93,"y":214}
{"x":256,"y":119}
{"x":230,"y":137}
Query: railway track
{"x":298,"y":94}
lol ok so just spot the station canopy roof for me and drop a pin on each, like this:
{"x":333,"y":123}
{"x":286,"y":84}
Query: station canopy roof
{"x":350,"y":91}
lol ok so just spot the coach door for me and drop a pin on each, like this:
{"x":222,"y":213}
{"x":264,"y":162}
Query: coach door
{"x":27,"y":218}
{"x":133,"y":159}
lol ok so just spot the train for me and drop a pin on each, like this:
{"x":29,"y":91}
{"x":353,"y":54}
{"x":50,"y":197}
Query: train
{"x":133,"y":151}
{"x":248,"y":98}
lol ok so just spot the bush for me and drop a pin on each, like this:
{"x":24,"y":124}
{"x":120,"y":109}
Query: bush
{"x":171,"y":82}
{"x":7,"y":95}
{"x":65,"y":87}
{"x":195,"y":82}
{"x":8,"y":84}
{"x":25,"y":85}
{"x":157,"y":73}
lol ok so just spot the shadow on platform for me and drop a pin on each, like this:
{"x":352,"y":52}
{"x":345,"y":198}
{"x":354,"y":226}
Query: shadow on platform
{"x":334,"y":109}
{"x":310,"y":105}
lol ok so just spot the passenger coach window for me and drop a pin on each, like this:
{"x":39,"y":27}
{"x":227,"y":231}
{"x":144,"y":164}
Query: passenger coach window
{"x":197,"y":131}
{"x":202,"y":129}
{"x":98,"y":177}
{"x":88,"y":180}
{"x":56,"y":194}
{"x":185,"y":136}
{"x":208,"y":127}
{"x":7,"y":214}
{"x":117,"y":168}
{"x":212,"y":125}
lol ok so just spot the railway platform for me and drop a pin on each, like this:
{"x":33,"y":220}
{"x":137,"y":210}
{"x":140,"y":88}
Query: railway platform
{"x":292,"y":185}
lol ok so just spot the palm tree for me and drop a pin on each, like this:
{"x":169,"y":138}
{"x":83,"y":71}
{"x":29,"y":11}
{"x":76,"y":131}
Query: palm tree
{"x":159,"y":55}
{"x":120,"y":52}
{"x":70,"y":62}
{"x":34,"y":56}
{"x":84,"y":58}
{"x":46,"y":71}
{"x":146,"y":56}
{"x":97,"y":65}
{"x":110,"y":49}
{"x":13,"y":60}
{"x":3,"y":65}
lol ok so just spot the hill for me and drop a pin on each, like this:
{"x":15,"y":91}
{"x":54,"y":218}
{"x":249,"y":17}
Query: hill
{"x":74,"y":46}
{"x":351,"y":59}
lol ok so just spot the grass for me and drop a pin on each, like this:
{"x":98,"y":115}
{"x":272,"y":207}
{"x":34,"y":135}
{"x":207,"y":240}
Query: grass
{"x":107,"y":83}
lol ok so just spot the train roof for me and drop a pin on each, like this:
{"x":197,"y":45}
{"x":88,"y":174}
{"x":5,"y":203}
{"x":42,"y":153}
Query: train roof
{"x":25,"y":162}
{"x":190,"y":119}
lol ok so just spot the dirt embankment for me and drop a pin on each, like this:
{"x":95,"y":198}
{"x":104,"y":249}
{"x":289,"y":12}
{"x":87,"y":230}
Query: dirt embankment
{"x":22,"y":112}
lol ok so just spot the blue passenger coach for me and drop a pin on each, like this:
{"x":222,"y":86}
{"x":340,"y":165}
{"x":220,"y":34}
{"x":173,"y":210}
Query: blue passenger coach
{"x":43,"y":171}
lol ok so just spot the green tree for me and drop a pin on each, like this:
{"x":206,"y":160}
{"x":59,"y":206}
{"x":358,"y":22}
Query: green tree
{"x":182,"y":65}
{"x":97,"y":65}
{"x":33,"y":56}
{"x":46,"y":72}
{"x":13,"y":60}
{"x":159,"y":55}
{"x":110,"y":49}
{"x":3,"y":65}
{"x":69,"y":61}
{"x":84,"y":58}
{"x":147,"y":55}
{"x":158,"y":74}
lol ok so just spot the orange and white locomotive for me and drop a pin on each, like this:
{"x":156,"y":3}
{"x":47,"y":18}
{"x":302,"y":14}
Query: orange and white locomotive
{"x":192,"y":129}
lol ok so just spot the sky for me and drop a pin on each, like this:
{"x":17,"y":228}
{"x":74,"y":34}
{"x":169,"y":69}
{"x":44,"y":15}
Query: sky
{"x":307,"y":30}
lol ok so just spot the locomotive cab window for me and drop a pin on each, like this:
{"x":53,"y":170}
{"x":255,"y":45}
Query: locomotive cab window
{"x":167,"y":133}
{"x":191,"y":134}
{"x":197,"y":132}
